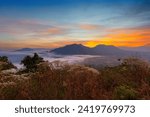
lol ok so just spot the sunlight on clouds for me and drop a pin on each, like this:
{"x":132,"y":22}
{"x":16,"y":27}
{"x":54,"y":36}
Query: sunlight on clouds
{"x":28,"y":33}
{"x":89,"y":26}
{"x":132,"y":38}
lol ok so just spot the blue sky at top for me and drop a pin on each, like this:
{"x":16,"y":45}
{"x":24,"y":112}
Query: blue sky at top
{"x":52,"y":21}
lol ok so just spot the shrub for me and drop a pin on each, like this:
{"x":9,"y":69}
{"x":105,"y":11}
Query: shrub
{"x":31,"y":62}
{"x":47,"y":82}
{"x":5,"y":64}
{"x":112,"y":77}
{"x":82,"y":83}
{"x":125,"y":93}
{"x":136,"y":68}
{"x":8,"y":90}
{"x":58,"y":80}
{"x":3,"y":58}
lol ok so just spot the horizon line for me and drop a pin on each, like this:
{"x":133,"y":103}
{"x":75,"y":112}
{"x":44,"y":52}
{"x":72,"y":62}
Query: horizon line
{"x":6,"y":48}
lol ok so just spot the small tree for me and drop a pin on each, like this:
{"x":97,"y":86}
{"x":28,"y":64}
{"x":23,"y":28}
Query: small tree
{"x":31,"y":62}
{"x":37,"y":59}
{"x":3,"y":58}
{"x":5,"y":63}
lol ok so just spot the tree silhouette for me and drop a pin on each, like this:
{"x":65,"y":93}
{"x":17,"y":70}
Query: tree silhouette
{"x":3,"y":58}
{"x":31,"y":62}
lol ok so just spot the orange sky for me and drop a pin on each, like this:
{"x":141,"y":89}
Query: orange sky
{"x":124,"y":37}
{"x":88,"y":35}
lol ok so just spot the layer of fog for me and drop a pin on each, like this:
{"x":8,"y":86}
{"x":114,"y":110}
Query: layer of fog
{"x":16,"y":56}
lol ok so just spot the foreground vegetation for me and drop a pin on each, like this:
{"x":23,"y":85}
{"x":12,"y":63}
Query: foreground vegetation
{"x":43,"y":80}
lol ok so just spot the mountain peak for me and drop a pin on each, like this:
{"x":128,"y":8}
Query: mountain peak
{"x":81,"y":49}
{"x":102,"y":46}
{"x":76,"y":45}
{"x":25,"y":49}
{"x":72,"y":49}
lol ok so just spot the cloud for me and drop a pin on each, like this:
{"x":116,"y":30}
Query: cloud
{"x":29,"y":28}
{"x":36,"y":33}
{"x":34,"y":43}
{"x":51,"y":31}
{"x":135,"y":36}
{"x":20,"y":26}
{"x":90,"y":27}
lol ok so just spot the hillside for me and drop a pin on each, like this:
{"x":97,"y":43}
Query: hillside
{"x":42,"y":80}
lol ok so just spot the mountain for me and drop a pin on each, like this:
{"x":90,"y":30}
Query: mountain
{"x":98,"y":50}
{"x":72,"y":50}
{"x":25,"y":49}
{"x":104,"y":50}
{"x":145,"y":48}
{"x":108,"y":50}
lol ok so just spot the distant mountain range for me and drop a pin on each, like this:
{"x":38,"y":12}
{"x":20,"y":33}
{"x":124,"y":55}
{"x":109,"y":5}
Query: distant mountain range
{"x":33,"y":50}
{"x":25,"y":49}
{"x":109,"y":50}
{"x":106,"y":50}
{"x":145,"y":48}
{"x":72,"y":50}
{"x":98,"y":50}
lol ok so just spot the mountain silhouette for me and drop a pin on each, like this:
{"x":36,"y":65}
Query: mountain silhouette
{"x":25,"y":49}
{"x":79,"y":49}
{"x":73,"y":49}
{"x":108,"y":50}
{"x":144,"y":48}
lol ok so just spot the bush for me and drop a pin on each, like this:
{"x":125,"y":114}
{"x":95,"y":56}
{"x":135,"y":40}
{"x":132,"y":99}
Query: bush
{"x":5,"y":64}
{"x":31,"y":62}
{"x":82,"y":83}
{"x":136,"y":68}
{"x":58,"y":80}
{"x":125,"y":93}
{"x":111,"y":77}
{"x":8,"y":91}
{"x":3,"y":58}
{"x":47,"y":82}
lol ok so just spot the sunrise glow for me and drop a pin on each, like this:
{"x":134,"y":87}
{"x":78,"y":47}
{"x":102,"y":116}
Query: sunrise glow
{"x":51,"y":24}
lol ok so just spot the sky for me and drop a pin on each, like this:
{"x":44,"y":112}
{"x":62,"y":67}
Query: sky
{"x":55,"y":23}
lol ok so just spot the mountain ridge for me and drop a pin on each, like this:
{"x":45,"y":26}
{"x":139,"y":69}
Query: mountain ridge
{"x":144,"y":48}
{"x":81,"y":49}
{"x":24,"y":49}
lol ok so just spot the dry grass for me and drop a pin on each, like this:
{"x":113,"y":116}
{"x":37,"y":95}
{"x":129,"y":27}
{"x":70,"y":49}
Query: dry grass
{"x":130,"y":80}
